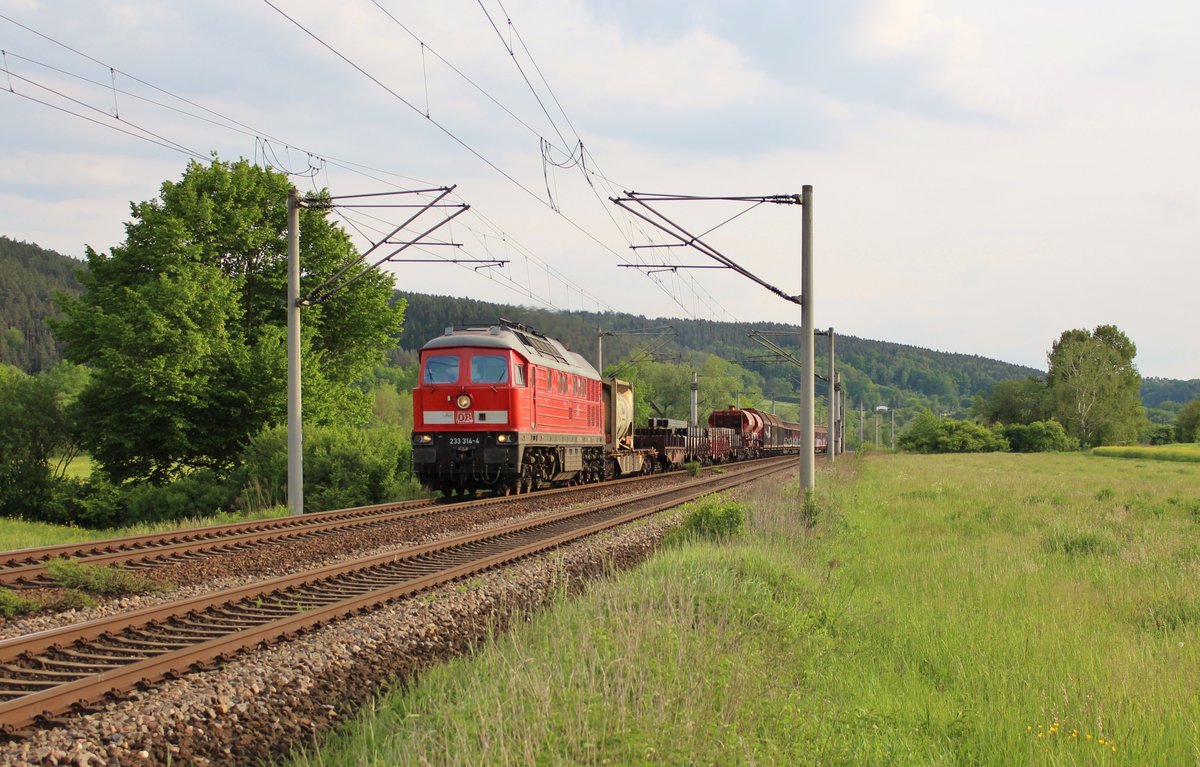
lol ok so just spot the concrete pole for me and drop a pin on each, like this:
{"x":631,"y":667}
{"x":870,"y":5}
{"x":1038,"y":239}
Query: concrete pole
{"x":831,"y":442}
{"x":807,"y":368}
{"x":695,"y":399}
{"x":893,"y":412}
{"x":862,"y":423}
{"x":295,"y":436}
{"x":841,"y":415}
{"x":600,"y":351}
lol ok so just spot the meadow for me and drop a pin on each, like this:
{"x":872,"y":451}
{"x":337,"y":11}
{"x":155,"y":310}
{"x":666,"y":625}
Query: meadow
{"x":927,"y":609}
{"x":1186,"y":452}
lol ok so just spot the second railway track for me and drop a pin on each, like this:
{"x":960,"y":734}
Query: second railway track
{"x":48,"y":673}
{"x":26,"y":568}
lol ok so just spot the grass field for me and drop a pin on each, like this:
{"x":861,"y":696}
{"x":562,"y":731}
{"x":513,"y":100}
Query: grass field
{"x":957,"y":609}
{"x":22,"y":534}
{"x":1187,"y":452}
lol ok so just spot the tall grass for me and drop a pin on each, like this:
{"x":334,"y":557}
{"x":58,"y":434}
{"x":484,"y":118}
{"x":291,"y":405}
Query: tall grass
{"x":950,"y":609}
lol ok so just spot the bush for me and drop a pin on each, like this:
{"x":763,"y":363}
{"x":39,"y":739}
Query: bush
{"x":199,"y":494}
{"x":343,"y":466}
{"x":94,"y":503}
{"x":711,"y":518}
{"x":1161,"y":434}
{"x":97,"y":503}
{"x":927,"y":434}
{"x":1039,"y":437}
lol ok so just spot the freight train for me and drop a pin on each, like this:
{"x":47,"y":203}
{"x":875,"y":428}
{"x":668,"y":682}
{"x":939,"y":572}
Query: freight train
{"x":503,"y":408}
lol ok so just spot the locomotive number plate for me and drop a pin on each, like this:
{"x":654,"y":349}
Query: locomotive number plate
{"x":464,"y":416}
{"x":464,"y":440}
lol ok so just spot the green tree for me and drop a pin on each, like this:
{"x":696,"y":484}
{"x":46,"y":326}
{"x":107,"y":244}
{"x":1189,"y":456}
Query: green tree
{"x":184,"y":325}
{"x":37,"y":440}
{"x":664,"y":389}
{"x":1014,"y":401}
{"x":1187,"y":423}
{"x":1094,"y":387}
{"x":921,"y":436}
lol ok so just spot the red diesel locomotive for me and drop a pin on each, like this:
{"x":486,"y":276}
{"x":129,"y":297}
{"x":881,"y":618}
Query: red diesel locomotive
{"x":505,"y":408}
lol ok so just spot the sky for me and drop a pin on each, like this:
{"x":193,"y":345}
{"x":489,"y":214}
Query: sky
{"x":985,"y":175}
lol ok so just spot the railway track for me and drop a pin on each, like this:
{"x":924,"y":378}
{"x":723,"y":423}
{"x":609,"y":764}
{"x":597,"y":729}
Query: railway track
{"x":26,"y":568}
{"x":47,"y":674}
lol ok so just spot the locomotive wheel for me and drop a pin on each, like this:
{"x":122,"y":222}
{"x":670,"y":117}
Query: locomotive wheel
{"x":525,"y":482}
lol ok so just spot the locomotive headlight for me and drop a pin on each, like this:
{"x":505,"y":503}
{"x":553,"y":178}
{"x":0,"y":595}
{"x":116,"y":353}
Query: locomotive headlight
{"x":423,"y":438}
{"x":502,"y":438}
{"x":463,"y":401}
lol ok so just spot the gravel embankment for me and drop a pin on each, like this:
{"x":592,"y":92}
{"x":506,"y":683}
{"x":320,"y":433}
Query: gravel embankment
{"x":260,"y":706}
{"x":208,"y":574}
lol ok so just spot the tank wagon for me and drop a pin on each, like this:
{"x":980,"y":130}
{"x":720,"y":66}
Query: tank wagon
{"x":762,"y":434}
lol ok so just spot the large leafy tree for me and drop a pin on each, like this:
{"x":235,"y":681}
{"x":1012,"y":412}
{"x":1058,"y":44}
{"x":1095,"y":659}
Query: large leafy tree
{"x":184,"y":325}
{"x":1016,"y":401}
{"x":1187,"y":423}
{"x":1094,"y":386}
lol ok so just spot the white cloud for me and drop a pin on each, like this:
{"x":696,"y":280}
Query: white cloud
{"x":995,"y":174}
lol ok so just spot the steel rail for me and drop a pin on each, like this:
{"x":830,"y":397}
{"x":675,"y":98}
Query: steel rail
{"x":20,"y":564}
{"x":26,"y":567}
{"x":125,"y":652}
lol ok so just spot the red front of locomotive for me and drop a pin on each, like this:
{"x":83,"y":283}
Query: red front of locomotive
{"x":501,"y":409}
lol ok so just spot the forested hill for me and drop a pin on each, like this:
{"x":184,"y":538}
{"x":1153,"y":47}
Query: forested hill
{"x":874,"y":371}
{"x":29,"y":277}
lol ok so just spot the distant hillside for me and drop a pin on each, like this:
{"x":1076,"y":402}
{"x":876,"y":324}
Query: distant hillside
{"x":29,"y":278}
{"x":874,"y":371}
{"x":1157,"y":391}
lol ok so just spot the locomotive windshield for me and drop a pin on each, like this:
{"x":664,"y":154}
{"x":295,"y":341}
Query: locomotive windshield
{"x":489,"y":369}
{"x":441,"y":369}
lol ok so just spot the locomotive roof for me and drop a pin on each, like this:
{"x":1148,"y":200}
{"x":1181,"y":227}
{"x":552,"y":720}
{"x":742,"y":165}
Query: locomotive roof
{"x":540,"y":349}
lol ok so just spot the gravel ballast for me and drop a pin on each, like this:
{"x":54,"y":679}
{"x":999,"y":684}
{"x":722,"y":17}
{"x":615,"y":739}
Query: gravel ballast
{"x":261,"y":706}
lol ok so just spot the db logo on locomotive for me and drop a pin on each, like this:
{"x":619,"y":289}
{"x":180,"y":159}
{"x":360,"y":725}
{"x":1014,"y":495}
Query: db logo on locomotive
{"x":464,"y":417}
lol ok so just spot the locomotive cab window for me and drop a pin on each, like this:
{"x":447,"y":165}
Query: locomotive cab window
{"x":489,"y":369}
{"x":518,"y":375}
{"x":441,"y":369}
